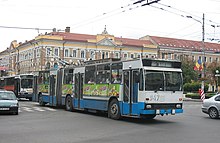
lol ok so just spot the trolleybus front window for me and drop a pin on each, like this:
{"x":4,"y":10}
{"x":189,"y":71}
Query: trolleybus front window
{"x":154,"y":81}
{"x":173,"y":81}
{"x":26,"y":83}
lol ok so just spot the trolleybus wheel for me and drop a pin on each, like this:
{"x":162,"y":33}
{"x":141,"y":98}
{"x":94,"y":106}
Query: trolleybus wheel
{"x":114,"y":110}
{"x":40,"y":100}
{"x":68,"y":104}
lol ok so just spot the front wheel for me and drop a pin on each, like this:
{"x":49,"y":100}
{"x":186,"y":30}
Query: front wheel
{"x":69,"y":105}
{"x":213,"y":113}
{"x":114,"y":110}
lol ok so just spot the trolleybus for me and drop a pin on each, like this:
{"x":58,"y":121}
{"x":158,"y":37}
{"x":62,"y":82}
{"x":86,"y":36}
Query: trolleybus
{"x":140,"y":88}
{"x":21,"y":85}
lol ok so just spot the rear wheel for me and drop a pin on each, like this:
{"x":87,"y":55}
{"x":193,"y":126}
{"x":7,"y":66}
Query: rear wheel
{"x":213,"y":113}
{"x":69,"y":105}
{"x":114,"y":110}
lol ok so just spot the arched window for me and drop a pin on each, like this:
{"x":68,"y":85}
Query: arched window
{"x":66,"y":53}
{"x":82,"y":54}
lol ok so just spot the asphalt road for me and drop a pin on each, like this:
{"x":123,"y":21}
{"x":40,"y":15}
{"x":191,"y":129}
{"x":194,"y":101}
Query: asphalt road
{"x":36,"y":124}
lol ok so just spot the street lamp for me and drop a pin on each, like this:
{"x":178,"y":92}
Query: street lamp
{"x":217,"y":75}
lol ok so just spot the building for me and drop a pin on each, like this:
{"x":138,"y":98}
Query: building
{"x":57,"y":49}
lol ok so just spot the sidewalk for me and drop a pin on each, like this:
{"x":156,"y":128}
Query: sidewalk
{"x":190,"y":99}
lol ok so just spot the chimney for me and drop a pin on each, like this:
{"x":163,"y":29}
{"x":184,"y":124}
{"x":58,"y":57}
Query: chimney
{"x":67,"y":30}
{"x":54,"y":30}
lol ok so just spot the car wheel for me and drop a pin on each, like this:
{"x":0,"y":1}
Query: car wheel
{"x":69,"y":105}
{"x":114,"y":110}
{"x":213,"y":113}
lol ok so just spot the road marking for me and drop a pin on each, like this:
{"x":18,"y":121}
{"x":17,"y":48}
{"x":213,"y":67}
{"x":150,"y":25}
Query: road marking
{"x":50,"y":109}
{"x":38,"y":109}
{"x":27,"y":109}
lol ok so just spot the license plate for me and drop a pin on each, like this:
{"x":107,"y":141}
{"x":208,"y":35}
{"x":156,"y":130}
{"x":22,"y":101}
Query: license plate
{"x":4,"y":109}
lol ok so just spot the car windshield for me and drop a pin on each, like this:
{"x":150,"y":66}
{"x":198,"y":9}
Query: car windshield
{"x":7,"y":96}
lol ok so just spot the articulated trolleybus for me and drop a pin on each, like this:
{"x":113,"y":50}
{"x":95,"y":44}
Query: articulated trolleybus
{"x":141,"y":88}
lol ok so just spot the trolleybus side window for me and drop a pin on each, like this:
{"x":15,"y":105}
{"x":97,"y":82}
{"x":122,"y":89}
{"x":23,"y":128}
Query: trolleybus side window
{"x":116,"y":73}
{"x":89,"y":74}
{"x":68,"y":76}
{"x":103,"y":73}
{"x":154,"y":81}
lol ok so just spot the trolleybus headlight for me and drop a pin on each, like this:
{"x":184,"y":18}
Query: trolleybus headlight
{"x":148,"y":106}
{"x":178,"y":106}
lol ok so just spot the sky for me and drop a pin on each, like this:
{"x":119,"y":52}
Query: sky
{"x":24,"y":19}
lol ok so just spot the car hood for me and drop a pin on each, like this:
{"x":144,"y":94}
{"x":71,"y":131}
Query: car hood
{"x":7,"y":102}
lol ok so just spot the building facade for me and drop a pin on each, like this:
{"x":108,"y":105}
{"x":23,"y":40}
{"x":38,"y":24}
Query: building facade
{"x":57,"y":49}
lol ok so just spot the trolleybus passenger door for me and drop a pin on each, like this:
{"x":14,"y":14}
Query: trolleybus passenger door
{"x":130,"y":95}
{"x":58,"y":89}
{"x":35,"y":92}
{"x":78,"y":88}
{"x":17,"y":86}
{"x":52,"y":97}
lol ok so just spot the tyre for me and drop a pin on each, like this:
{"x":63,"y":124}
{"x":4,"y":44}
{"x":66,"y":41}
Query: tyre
{"x":68,"y":103}
{"x":40,"y":100}
{"x":114,"y":110}
{"x":213,"y":113}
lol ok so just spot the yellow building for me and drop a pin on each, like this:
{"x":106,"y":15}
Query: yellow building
{"x":57,"y":49}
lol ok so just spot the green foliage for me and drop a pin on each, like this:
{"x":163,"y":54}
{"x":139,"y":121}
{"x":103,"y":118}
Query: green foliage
{"x":197,"y":96}
{"x":193,"y":87}
{"x":189,"y":75}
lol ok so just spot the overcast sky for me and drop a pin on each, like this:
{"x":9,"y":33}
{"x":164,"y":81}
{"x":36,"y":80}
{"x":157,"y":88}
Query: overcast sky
{"x":121,"y":17}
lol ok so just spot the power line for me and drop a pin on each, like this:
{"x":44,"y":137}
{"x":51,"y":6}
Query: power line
{"x":27,"y":28}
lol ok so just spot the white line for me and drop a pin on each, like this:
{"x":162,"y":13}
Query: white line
{"x":38,"y":109}
{"x":49,"y":109}
{"x":27,"y":109}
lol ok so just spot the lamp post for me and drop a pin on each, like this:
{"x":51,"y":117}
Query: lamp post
{"x":217,"y":75}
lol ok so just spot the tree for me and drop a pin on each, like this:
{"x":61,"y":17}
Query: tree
{"x":189,"y":75}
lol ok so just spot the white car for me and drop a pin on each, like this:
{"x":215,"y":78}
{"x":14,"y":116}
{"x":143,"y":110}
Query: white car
{"x":211,"y":106}
{"x":8,"y":102}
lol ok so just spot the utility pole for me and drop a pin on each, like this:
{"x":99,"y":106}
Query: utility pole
{"x":203,"y":50}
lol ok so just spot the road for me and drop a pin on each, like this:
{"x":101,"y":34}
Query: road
{"x":36,"y":124}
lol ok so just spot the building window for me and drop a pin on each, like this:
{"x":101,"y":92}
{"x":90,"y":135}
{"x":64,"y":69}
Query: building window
{"x":116,"y":55}
{"x":66,"y":53}
{"x":217,"y":59}
{"x":82,"y":54}
{"x":74,"y":53}
{"x":169,"y":55}
{"x":132,"y":56}
{"x":56,"y":52}
{"x":210,"y":59}
{"x":48,"y":52}
{"x":163,"y":55}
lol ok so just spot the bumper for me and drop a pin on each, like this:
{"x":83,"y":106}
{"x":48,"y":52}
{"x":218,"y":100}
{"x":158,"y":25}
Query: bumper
{"x":25,"y":95}
{"x":162,"y":111}
{"x":204,"y":110}
{"x":8,"y":109}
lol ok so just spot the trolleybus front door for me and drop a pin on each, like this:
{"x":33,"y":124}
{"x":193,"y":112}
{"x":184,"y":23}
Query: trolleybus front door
{"x":130,"y":95}
{"x":78,"y":89}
